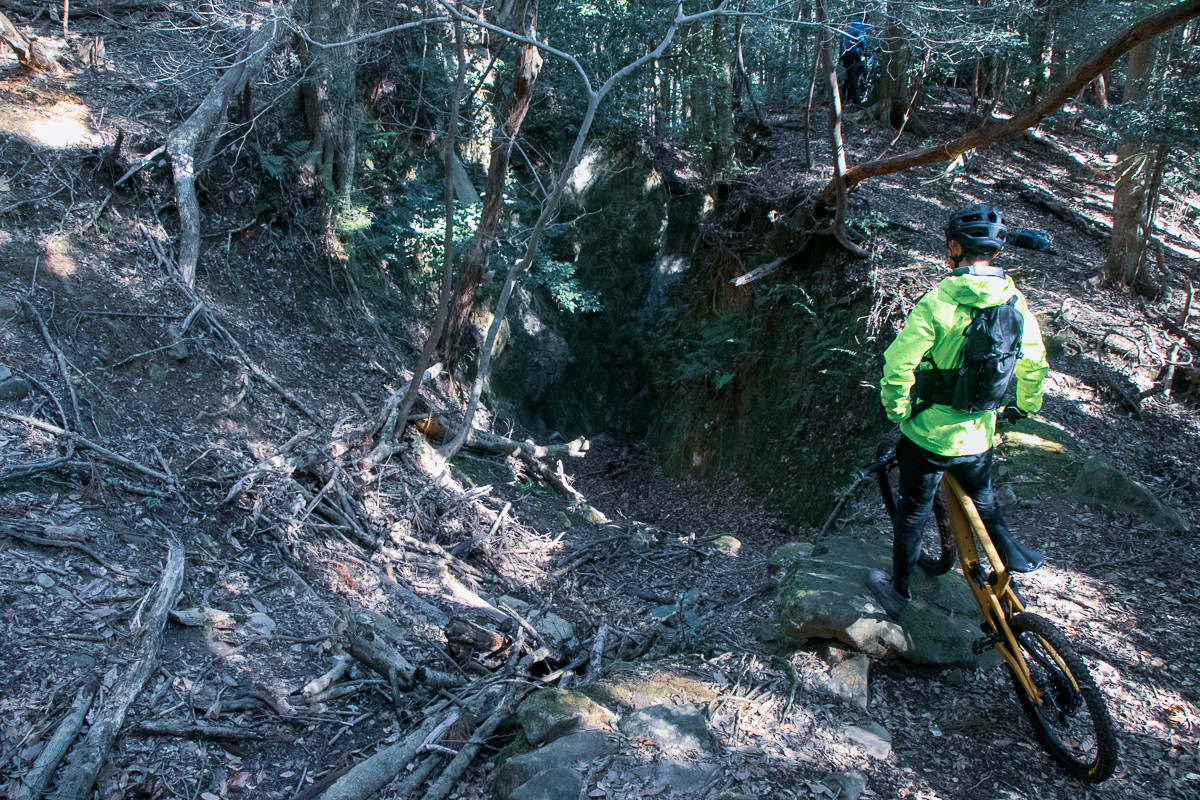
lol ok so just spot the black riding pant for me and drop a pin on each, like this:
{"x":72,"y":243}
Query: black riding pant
{"x":920,"y":472}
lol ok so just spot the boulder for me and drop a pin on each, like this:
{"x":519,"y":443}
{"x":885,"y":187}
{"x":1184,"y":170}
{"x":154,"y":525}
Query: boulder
{"x":784,"y":556}
{"x":1099,"y":482}
{"x":677,"y":726}
{"x":824,"y":597}
{"x":585,"y":746}
{"x":729,"y":545}
{"x":13,"y":387}
{"x":550,"y":714}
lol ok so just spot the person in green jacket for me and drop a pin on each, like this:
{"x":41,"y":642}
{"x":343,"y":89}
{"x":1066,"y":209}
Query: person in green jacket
{"x":936,"y":437}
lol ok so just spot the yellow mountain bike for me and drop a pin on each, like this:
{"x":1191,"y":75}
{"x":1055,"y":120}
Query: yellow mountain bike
{"x":1052,"y":681}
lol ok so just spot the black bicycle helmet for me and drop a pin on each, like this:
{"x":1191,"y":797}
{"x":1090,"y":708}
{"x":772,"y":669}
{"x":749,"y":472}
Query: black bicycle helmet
{"x":977,"y":227}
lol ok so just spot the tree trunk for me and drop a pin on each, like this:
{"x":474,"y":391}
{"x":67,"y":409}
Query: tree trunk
{"x":329,"y":106}
{"x":1040,"y":32}
{"x":722,"y":93}
{"x":828,"y":59}
{"x":512,"y":113}
{"x":892,"y":107}
{"x":1134,"y":168}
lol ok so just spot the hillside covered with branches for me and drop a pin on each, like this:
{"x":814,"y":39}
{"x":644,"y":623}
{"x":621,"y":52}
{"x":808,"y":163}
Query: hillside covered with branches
{"x":371,"y":372}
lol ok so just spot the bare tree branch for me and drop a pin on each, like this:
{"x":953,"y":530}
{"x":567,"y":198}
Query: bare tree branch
{"x":989,"y":134}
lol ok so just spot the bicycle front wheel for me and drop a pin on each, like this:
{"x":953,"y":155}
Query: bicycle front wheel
{"x":1072,"y":721}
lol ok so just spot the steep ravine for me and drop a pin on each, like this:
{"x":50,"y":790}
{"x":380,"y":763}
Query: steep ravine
{"x":719,"y":378}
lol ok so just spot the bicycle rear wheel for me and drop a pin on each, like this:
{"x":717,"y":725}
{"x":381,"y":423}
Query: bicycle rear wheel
{"x":1072,"y":722}
{"x":937,"y":542}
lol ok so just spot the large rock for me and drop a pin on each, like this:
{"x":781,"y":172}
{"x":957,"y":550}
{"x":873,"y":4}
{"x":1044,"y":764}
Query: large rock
{"x":640,"y":686}
{"x":824,"y":596}
{"x":783,"y":557}
{"x":11,"y":309}
{"x":549,"y":714}
{"x":678,"y":726}
{"x":1099,"y":482}
{"x":13,"y":387}
{"x":583,"y":747}
{"x":553,"y":784}
{"x":846,"y":677}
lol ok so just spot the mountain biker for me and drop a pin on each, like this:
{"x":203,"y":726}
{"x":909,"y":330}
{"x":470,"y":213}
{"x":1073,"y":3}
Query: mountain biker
{"x":937,"y":437}
{"x":854,"y":61}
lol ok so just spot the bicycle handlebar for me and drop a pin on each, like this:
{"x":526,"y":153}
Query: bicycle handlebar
{"x":877,"y":464}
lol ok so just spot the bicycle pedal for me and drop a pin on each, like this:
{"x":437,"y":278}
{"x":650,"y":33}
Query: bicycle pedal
{"x":984,"y":643}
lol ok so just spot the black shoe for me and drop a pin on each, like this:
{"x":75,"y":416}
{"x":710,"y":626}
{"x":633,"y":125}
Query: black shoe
{"x":881,"y":587}
{"x":1016,"y":556}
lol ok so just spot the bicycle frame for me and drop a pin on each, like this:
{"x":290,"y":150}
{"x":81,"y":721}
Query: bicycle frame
{"x":995,"y":593}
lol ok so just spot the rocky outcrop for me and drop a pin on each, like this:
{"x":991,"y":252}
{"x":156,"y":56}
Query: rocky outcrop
{"x":823,"y":597}
{"x":1101,"y":483}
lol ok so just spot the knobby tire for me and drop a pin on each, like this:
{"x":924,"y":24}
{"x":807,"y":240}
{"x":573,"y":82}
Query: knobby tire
{"x":1073,"y":724}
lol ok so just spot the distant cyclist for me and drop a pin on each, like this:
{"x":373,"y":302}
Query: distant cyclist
{"x":920,"y":378}
{"x":854,"y":62}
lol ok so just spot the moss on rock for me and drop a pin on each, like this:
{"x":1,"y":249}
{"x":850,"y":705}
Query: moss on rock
{"x":550,"y":713}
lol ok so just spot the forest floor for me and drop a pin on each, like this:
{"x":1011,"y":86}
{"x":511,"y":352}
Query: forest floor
{"x":88,"y":306}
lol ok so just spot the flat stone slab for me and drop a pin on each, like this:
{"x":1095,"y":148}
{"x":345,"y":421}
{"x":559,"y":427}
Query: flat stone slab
{"x":872,"y":738}
{"x":680,"y":727}
{"x":555,"y":783}
{"x":634,"y":686}
{"x":823,"y":596}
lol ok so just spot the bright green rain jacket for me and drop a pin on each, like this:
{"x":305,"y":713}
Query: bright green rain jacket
{"x":933,"y":337}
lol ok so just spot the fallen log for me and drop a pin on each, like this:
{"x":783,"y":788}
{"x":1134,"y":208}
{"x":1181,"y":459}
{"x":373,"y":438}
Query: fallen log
{"x":1040,"y":197}
{"x":380,"y":658}
{"x":341,"y":666}
{"x":92,"y":752}
{"x":458,"y":765}
{"x":368,"y":777}
{"x":103,"y":452}
{"x":35,"y":783}
{"x":466,"y":639}
{"x":30,"y":52}
{"x":202,"y":730}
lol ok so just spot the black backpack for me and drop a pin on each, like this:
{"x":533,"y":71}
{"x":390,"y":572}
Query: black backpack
{"x":989,"y":360}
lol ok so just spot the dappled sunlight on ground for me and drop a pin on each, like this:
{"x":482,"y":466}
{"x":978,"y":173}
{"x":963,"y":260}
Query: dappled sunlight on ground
{"x":62,"y":124}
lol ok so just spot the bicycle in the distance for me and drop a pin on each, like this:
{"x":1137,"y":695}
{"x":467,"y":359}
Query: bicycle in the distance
{"x":1052,"y":682}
